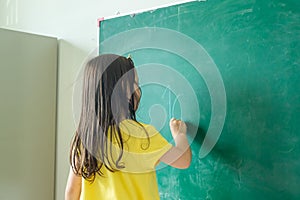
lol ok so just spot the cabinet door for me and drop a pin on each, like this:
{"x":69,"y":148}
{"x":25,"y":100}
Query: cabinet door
{"x":28,"y":74}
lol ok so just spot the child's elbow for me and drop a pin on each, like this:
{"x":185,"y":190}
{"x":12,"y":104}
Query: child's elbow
{"x":184,"y":161}
{"x":186,"y":164}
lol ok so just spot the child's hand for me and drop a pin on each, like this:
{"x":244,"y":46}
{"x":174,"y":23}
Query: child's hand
{"x":180,"y":155}
{"x":177,"y":126}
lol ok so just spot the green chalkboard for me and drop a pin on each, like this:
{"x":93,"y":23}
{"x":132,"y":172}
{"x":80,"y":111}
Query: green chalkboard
{"x":231,"y":69}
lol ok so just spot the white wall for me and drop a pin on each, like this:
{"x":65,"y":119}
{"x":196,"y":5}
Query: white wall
{"x":75,"y":24}
{"x":74,"y":21}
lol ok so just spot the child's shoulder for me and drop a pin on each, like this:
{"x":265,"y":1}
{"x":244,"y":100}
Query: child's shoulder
{"x":135,"y":127}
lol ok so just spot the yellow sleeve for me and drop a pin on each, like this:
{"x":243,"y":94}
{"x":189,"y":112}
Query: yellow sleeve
{"x":142,"y":150}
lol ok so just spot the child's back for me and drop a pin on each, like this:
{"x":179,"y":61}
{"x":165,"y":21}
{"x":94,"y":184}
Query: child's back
{"x":137,"y":180}
{"x":112,"y":155}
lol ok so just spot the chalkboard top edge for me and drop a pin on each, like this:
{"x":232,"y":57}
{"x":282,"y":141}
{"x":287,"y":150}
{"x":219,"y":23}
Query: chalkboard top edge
{"x":144,"y":10}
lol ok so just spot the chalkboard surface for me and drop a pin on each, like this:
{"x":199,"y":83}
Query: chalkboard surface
{"x":231,"y":69}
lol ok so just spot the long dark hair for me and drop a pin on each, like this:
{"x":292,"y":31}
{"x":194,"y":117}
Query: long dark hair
{"x":110,"y":94}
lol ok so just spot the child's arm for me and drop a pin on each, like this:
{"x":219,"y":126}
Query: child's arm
{"x":179,"y":156}
{"x":73,"y":188}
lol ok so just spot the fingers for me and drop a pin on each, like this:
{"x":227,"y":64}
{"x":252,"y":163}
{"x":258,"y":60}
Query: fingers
{"x":177,"y":126}
{"x":174,"y":121}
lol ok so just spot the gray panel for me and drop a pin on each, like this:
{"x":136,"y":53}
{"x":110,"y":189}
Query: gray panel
{"x":28,"y":72}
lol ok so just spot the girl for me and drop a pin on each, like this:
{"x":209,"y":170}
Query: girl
{"x":113,"y":156}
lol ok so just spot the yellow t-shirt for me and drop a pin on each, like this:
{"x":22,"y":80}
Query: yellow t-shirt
{"x":137,"y":181}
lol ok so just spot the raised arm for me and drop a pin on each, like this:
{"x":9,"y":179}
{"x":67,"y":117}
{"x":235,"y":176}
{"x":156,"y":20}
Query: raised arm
{"x":179,"y":156}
